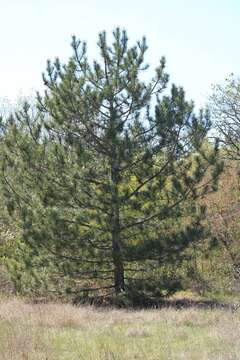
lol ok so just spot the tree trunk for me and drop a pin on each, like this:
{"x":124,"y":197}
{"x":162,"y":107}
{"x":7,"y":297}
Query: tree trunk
{"x":118,"y":266}
{"x":115,"y":222}
{"x":116,"y":242}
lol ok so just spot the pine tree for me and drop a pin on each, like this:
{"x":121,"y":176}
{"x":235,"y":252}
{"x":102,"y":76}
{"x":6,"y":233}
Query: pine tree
{"x":107,"y":172}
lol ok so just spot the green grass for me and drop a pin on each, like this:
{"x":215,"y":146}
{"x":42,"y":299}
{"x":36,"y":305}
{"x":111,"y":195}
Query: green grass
{"x":60,"y":331}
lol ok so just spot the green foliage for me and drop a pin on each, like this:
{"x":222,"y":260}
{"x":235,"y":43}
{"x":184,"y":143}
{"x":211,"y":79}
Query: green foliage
{"x":105,"y":173}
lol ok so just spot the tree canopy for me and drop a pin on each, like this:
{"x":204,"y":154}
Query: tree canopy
{"x":106,"y":171}
{"x":225,"y":102}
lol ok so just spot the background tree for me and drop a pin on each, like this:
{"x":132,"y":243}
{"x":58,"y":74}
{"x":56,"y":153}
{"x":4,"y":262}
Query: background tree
{"x":106,"y":174}
{"x":224,"y":212}
{"x":225,"y":103}
{"x":224,"y":205}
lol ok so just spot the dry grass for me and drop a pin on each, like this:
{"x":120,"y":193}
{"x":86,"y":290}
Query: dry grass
{"x":62,"y":331}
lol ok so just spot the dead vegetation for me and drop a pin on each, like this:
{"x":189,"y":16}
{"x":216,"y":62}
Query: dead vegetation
{"x":62,"y":331}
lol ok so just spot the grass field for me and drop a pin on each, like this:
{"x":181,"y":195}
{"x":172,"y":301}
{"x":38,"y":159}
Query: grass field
{"x":60,"y":331}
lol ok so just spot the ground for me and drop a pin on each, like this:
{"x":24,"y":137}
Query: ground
{"x":65,"y":332}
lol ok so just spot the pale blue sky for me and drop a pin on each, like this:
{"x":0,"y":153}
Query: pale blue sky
{"x":200,"y":39}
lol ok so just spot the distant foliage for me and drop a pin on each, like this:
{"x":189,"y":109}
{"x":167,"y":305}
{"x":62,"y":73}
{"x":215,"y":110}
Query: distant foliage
{"x":225,"y":102}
